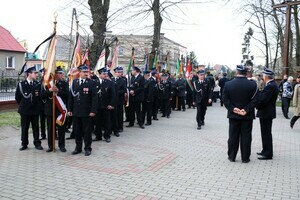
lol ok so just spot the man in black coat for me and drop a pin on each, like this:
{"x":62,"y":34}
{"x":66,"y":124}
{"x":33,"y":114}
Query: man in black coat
{"x":222,"y":82}
{"x":120,"y":84}
{"x":82,"y":106}
{"x":106,"y":102}
{"x":28,"y":98}
{"x":165,"y":91}
{"x":156,"y":98}
{"x":42,"y":111}
{"x":239,"y":97}
{"x":202,"y":97}
{"x":180,"y":85}
{"x":136,"y":97}
{"x":61,"y":88}
{"x":266,"y":107}
{"x":150,"y":88}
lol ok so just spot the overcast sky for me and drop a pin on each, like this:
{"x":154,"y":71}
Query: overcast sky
{"x":214,"y":31}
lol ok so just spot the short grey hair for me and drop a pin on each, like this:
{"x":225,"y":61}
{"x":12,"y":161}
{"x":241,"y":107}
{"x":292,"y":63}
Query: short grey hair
{"x":290,"y":79}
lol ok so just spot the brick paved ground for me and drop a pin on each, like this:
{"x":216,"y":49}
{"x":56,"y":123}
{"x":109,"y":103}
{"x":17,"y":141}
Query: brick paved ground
{"x":169,"y":160}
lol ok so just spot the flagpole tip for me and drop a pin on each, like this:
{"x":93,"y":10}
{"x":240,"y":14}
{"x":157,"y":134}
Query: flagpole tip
{"x":55,"y":16}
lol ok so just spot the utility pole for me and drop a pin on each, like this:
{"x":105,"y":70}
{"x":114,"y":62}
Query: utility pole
{"x":287,"y":5}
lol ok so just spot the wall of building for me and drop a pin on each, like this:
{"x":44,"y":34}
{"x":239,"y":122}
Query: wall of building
{"x":19,"y":61}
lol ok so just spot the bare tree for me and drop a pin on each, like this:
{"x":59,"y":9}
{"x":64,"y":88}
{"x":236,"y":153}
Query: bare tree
{"x":297,"y":31}
{"x":99,"y":10}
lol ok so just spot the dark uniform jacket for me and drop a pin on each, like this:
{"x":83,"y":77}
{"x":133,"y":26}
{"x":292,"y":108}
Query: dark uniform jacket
{"x":165,"y":90}
{"x":120,"y":87}
{"x":202,"y":91}
{"x":150,"y":90}
{"x":137,"y":85}
{"x":106,"y":93}
{"x":222,"y":82}
{"x":266,"y":103}
{"x":83,"y":98}
{"x":180,"y":86}
{"x":240,"y":93}
{"x":28,"y":98}
{"x":46,"y":95}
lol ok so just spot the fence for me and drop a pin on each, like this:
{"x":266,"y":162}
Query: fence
{"x":8,"y":86}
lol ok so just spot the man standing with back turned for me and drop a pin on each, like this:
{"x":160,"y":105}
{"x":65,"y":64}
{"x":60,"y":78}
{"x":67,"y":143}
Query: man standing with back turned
{"x":266,"y":107}
{"x":239,"y":98}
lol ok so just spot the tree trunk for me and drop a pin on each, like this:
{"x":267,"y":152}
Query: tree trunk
{"x":280,"y":32}
{"x":99,"y":13}
{"x":157,"y":28}
{"x":296,"y":18}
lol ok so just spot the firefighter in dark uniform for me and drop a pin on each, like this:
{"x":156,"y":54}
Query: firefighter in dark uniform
{"x":190,"y":90}
{"x":150,"y":87}
{"x":239,"y":97}
{"x":266,"y":106}
{"x":180,"y":85}
{"x":61,"y":88}
{"x":136,"y":97}
{"x":222,"y":82}
{"x":28,"y":98}
{"x":121,"y":89}
{"x":42,"y":111}
{"x":202,"y":97}
{"x":106,"y":101}
{"x":156,"y":97}
{"x":82,"y":106}
{"x":165,"y":91}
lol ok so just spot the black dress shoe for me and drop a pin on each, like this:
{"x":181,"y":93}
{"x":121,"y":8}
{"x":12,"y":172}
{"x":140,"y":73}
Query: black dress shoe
{"x":22,"y":148}
{"x":121,"y":130}
{"x":39,"y":147}
{"x":97,"y":139}
{"x":246,"y":161}
{"x":76,"y":152}
{"x":108,"y":140}
{"x":292,"y":125}
{"x":69,"y":138}
{"x":163,"y":116}
{"x":199,"y":127}
{"x":264,"y":158}
{"x":87,"y":153}
{"x":259,"y":153}
{"x":129,"y":125}
{"x":43,"y":138}
{"x":63,"y":149}
{"x":202,"y":123}
{"x":68,"y":131}
{"x":49,"y":150}
{"x":147,"y":124}
{"x":117,"y":134}
{"x":231,"y":160}
{"x":168,"y":116}
{"x":142,"y":126}
{"x":155,"y":119}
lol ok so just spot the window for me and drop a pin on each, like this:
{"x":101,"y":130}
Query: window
{"x":10,"y":62}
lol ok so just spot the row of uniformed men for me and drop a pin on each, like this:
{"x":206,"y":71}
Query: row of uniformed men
{"x":99,"y":103}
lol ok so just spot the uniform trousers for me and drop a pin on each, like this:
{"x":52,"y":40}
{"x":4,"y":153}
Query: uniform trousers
{"x":43,"y":122}
{"x":61,"y":133}
{"x":82,"y":128}
{"x":240,"y":131}
{"x":266,"y":137}
{"x":147,"y":111}
{"x":135,"y":108}
{"x":181,"y":104}
{"x":25,"y":123}
{"x":165,"y":107}
{"x":120,"y":116}
{"x":103,"y":122}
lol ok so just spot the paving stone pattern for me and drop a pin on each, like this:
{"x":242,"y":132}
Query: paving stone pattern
{"x":169,"y":160}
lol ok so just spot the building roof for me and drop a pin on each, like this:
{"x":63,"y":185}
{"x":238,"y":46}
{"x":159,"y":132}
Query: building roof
{"x":8,"y":42}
